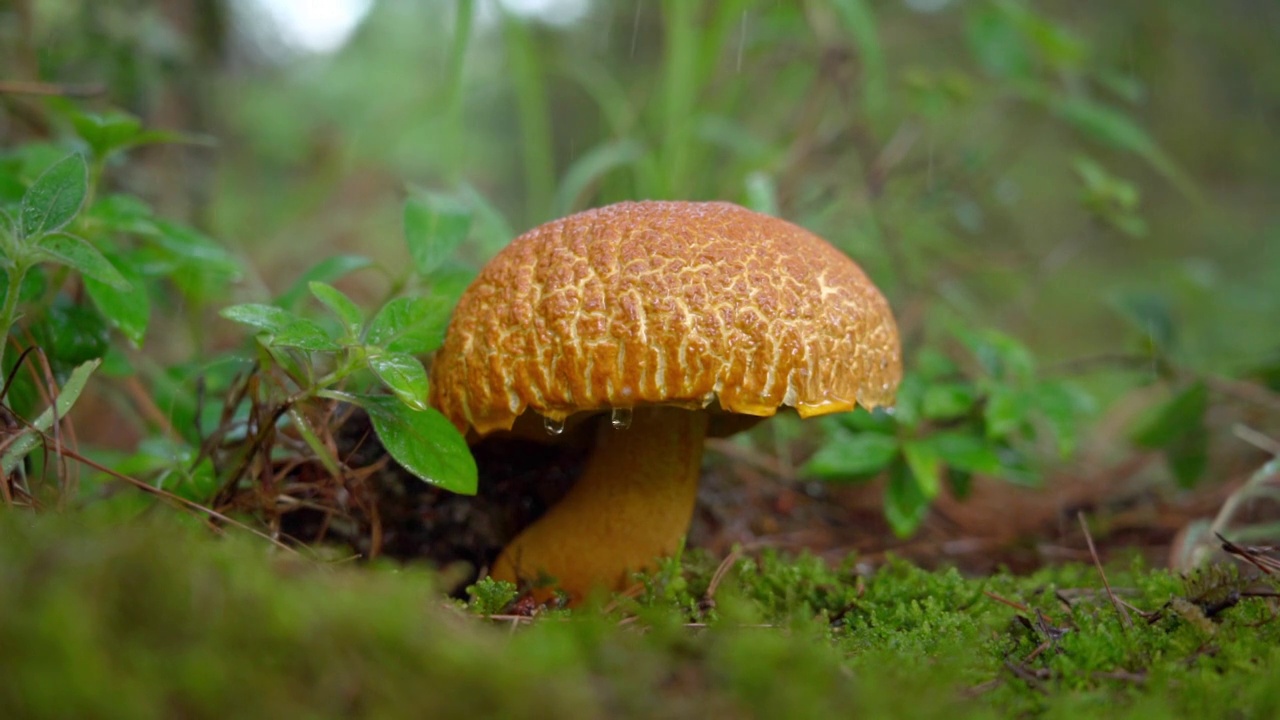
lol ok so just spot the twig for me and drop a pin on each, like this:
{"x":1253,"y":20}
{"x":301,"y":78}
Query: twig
{"x":1011,"y":603}
{"x":1115,"y":601}
{"x":27,"y":87}
{"x":1259,"y":440}
{"x":177,"y":499}
{"x":708,"y":600}
{"x":1255,"y":556}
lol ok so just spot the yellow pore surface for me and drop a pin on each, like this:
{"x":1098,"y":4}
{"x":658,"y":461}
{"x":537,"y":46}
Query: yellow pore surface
{"x":670,"y":303}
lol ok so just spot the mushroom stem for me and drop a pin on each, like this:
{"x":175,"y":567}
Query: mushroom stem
{"x":632,"y":505}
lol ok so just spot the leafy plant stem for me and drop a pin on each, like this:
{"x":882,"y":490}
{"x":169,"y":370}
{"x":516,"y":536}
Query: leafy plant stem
{"x":9,"y":311}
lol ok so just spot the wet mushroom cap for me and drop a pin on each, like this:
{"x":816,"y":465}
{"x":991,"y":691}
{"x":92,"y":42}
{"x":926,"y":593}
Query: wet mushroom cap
{"x":665,"y":303}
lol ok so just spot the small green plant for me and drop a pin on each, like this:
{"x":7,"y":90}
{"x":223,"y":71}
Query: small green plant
{"x":491,"y":597}
{"x":308,"y":362}
{"x":80,"y":270}
{"x":947,"y":426}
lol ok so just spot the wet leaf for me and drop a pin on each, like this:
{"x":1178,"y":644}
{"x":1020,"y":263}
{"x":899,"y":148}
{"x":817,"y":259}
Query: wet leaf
{"x":327,"y":270}
{"x":54,"y":198}
{"x":282,"y":328}
{"x":79,"y":255}
{"x":424,"y":442}
{"x":342,"y":306}
{"x":410,"y":324}
{"x":847,"y":455}
{"x":128,"y":310}
{"x":403,"y":374}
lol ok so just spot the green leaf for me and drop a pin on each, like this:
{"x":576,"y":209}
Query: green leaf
{"x":434,"y":226}
{"x":925,"y":465}
{"x":846,"y":455}
{"x":403,"y":374}
{"x":1112,"y":127}
{"x":1188,"y":459}
{"x":961,"y":483}
{"x":590,"y":167}
{"x":111,"y":132}
{"x":932,"y":365}
{"x":1005,"y":412}
{"x":304,"y":335}
{"x":342,"y":306}
{"x":106,"y":132}
{"x":71,"y":333}
{"x":1000,"y":356}
{"x":410,"y":324}
{"x":123,"y":213}
{"x":945,"y":401}
{"x":1150,"y":314}
{"x":905,"y":504}
{"x":55,"y":197}
{"x":195,"y":248}
{"x":283,"y":328}
{"x":129,"y":311}
{"x":327,"y":270}
{"x":996,"y":42}
{"x":267,"y":318}
{"x":762,"y":193}
{"x":424,"y":442}
{"x":34,"y":285}
{"x":492,"y":231}
{"x":1062,"y":404}
{"x":1174,"y":421}
{"x":966,"y":452}
{"x":908,"y":404}
{"x":26,"y":439}
{"x":78,"y":254}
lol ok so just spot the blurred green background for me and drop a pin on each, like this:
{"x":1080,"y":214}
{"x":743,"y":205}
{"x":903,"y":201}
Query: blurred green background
{"x":1090,"y":176}
{"x":935,"y":140}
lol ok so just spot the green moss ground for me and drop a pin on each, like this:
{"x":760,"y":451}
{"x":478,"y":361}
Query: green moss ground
{"x":154,"y":619}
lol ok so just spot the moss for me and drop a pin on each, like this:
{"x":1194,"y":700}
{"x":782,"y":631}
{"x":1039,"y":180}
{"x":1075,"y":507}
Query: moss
{"x":158,"y":620}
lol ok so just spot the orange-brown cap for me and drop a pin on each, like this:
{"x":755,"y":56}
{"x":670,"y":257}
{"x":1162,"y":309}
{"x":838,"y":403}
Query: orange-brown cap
{"x":669,"y":303}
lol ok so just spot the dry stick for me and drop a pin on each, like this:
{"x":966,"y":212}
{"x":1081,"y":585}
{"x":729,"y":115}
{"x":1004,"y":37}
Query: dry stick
{"x":1011,"y":603}
{"x":25,"y":87}
{"x":1115,"y":601}
{"x":709,"y":597}
{"x":1252,"y":555}
{"x":187,"y":504}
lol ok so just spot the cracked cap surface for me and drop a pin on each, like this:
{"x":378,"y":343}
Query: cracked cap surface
{"x":667,"y":303}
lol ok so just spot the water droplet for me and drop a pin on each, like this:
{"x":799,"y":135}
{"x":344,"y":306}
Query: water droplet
{"x":553,"y":426}
{"x":620,"y":418}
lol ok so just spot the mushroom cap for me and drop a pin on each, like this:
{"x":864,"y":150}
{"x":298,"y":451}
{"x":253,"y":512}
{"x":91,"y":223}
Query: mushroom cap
{"x":666,"y":303}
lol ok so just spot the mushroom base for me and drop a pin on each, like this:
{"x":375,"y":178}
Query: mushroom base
{"x":631,"y":506}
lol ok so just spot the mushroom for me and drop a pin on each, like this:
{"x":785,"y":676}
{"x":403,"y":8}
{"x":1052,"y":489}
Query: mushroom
{"x":669,"y":317}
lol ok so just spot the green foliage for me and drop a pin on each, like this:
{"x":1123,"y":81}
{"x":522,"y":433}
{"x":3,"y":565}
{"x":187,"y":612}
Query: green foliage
{"x":948,"y":425}
{"x":125,"y":255}
{"x":491,"y":597}
{"x":295,"y":348}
